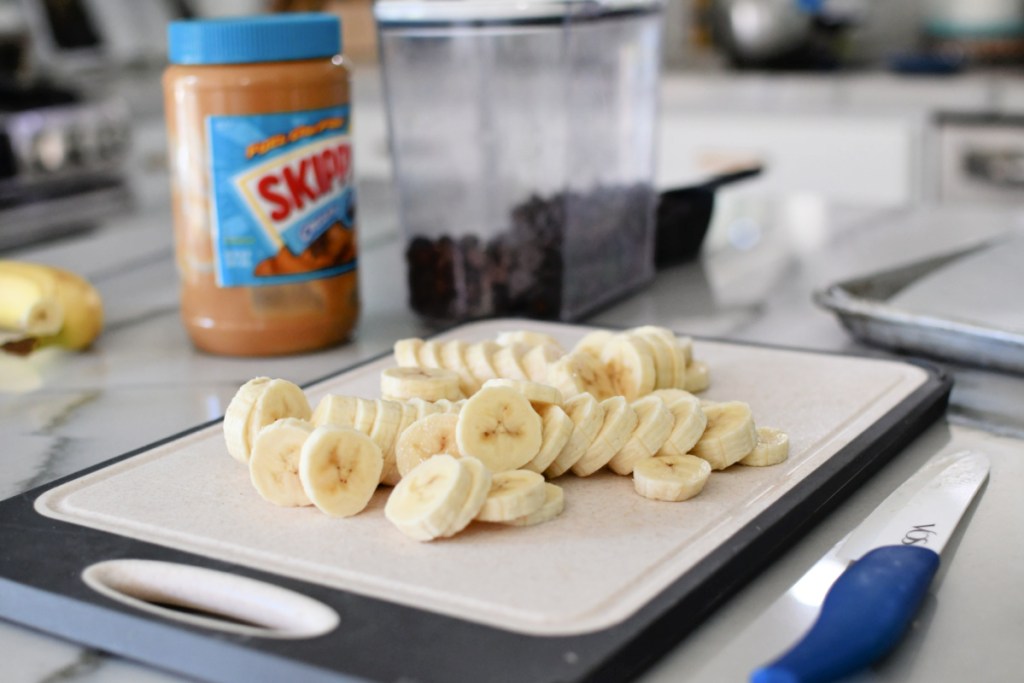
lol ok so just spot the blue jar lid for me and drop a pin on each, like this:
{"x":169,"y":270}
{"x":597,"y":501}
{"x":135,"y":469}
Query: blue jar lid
{"x":263,"y":38}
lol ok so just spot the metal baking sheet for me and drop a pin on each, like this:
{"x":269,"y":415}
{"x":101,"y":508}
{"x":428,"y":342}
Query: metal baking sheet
{"x":905,"y":309}
{"x":597,"y":594}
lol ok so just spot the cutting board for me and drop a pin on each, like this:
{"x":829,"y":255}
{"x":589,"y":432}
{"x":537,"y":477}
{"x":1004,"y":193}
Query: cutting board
{"x":596,"y":594}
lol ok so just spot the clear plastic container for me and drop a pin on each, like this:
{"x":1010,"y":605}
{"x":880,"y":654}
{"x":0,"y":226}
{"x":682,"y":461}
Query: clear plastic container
{"x":522,"y":138}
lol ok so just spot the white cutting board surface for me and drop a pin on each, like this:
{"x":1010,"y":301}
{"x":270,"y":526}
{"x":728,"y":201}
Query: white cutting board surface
{"x":609,"y":553}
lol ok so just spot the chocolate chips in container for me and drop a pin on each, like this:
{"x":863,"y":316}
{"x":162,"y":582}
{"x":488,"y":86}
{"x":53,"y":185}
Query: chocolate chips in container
{"x":558,"y":258}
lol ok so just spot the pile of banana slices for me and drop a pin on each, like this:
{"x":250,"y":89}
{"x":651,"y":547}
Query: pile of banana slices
{"x":476,"y":431}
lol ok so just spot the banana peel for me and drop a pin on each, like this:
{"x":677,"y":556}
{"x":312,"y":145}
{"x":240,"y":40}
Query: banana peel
{"x":42,"y":305}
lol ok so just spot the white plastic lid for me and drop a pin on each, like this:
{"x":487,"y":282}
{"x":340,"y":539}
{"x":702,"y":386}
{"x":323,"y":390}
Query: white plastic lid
{"x":497,"y":11}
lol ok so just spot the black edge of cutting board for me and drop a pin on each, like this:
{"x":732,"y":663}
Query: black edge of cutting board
{"x":40,"y":587}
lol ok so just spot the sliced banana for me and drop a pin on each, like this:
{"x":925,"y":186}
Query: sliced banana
{"x":499,"y":427}
{"x":689,"y":421}
{"x":686,"y":347}
{"x":507,"y":361}
{"x":697,"y":377}
{"x":340,"y":469}
{"x":429,"y":355}
{"x":537,"y":360}
{"x":671,"y":477}
{"x":578,"y":373}
{"x":537,"y":394}
{"x":652,"y":431}
{"x":336,"y":410}
{"x":424,"y":439}
{"x":587,"y":416}
{"x":274,"y":463}
{"x":277,"y":398}
{"x":730,"y":435}
{"x":556,"y":430}
{"x":629,"y":362}
{"x":387,"y":422}
{"x":619,"y":422}
{"x":453,"y":357}
{"x":430,"y":498}
{"x":513,"y":494}
{"x":771,"y":449}
{"x":407,"y":352}
{"x":478,"y":358}
{"x":663,"y":353}
{"x":236,"y":418}
{"x":424,"y":408}
{"x":428,"y":383}
{"x":480,"y":486}
{"x":594,"y":342}
{"x":527,"y":337}
{"x":366,"y":413}
{"x":554,"y":503}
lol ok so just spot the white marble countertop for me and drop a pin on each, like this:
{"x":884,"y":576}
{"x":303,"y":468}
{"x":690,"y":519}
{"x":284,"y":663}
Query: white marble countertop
{"x":142,"y":381}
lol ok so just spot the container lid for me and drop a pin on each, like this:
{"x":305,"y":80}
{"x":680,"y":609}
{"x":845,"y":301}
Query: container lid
{"x":263,"y":38}
{"x":418,"y":12}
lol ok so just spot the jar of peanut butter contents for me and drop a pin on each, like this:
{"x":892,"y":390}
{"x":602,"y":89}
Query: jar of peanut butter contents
{"x":261,"y":176}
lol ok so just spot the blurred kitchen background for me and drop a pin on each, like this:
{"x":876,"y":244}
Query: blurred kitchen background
{"x":883,"y":103}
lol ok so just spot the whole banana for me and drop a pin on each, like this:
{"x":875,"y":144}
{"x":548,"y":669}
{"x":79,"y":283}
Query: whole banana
{"x":43,"y":305}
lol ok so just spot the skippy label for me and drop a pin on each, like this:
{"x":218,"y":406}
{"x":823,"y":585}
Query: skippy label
{"x":283,"y":196}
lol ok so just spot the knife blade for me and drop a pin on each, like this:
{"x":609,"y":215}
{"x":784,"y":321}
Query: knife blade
{"x":882,"y":572}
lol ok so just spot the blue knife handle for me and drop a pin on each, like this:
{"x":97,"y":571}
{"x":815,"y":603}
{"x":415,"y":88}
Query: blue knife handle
{"x":864,"y":614}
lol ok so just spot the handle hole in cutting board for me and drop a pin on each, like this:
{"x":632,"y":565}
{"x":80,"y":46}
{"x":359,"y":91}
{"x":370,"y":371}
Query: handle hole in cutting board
{"x":211,"y":599}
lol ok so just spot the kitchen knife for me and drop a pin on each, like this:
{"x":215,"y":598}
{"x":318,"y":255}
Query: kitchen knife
{"x":884,"y":569}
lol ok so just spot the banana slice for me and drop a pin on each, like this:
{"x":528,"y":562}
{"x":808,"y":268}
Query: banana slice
{"x":697,"y":377}
{"x":513,"y":494}
{"x":478,"y":358}
{"x":771,"y":449}
{"x":685,"y":345}
{"x":554,"y":503}
{"x":629,"y":362}
{"x":730,"y":435}
{"x":430,"y":498}
{"x":277,"y":398}
{"x":663,"y":353}
{"x":424,"y":439}
{"x":336,"y":410}
{"x":429,"y":355}
{"x":424,"y":408}
{"x":236,"y":418}
{"x":539,"y":395}
{"x":274,"y":463}
{"x":407,"y":352}
{"x":340,"y":469}
{"x":527,"y":337}
{"x":453,"y":357}
{"x":556,"y":430}
{"x":619,"y":422}
{"x":671,"y":477}
{"x":507,"y":362}
{"x":499,"y":427}
{"x":689,"y":421}
{"x":537,"y":360}
{"x":593,"y":343}
{"x":587,"y":416}
{"x":428,"y":383}
{"x":445,"y":406}
{"x":366,"y":413}
{"x":652,"y":431}
{"x":386,"y":423}
{"x":580,"y":372}
{"x":480,"y":486}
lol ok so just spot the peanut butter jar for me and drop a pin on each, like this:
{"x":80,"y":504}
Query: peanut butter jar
{"x":262,"y":186}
